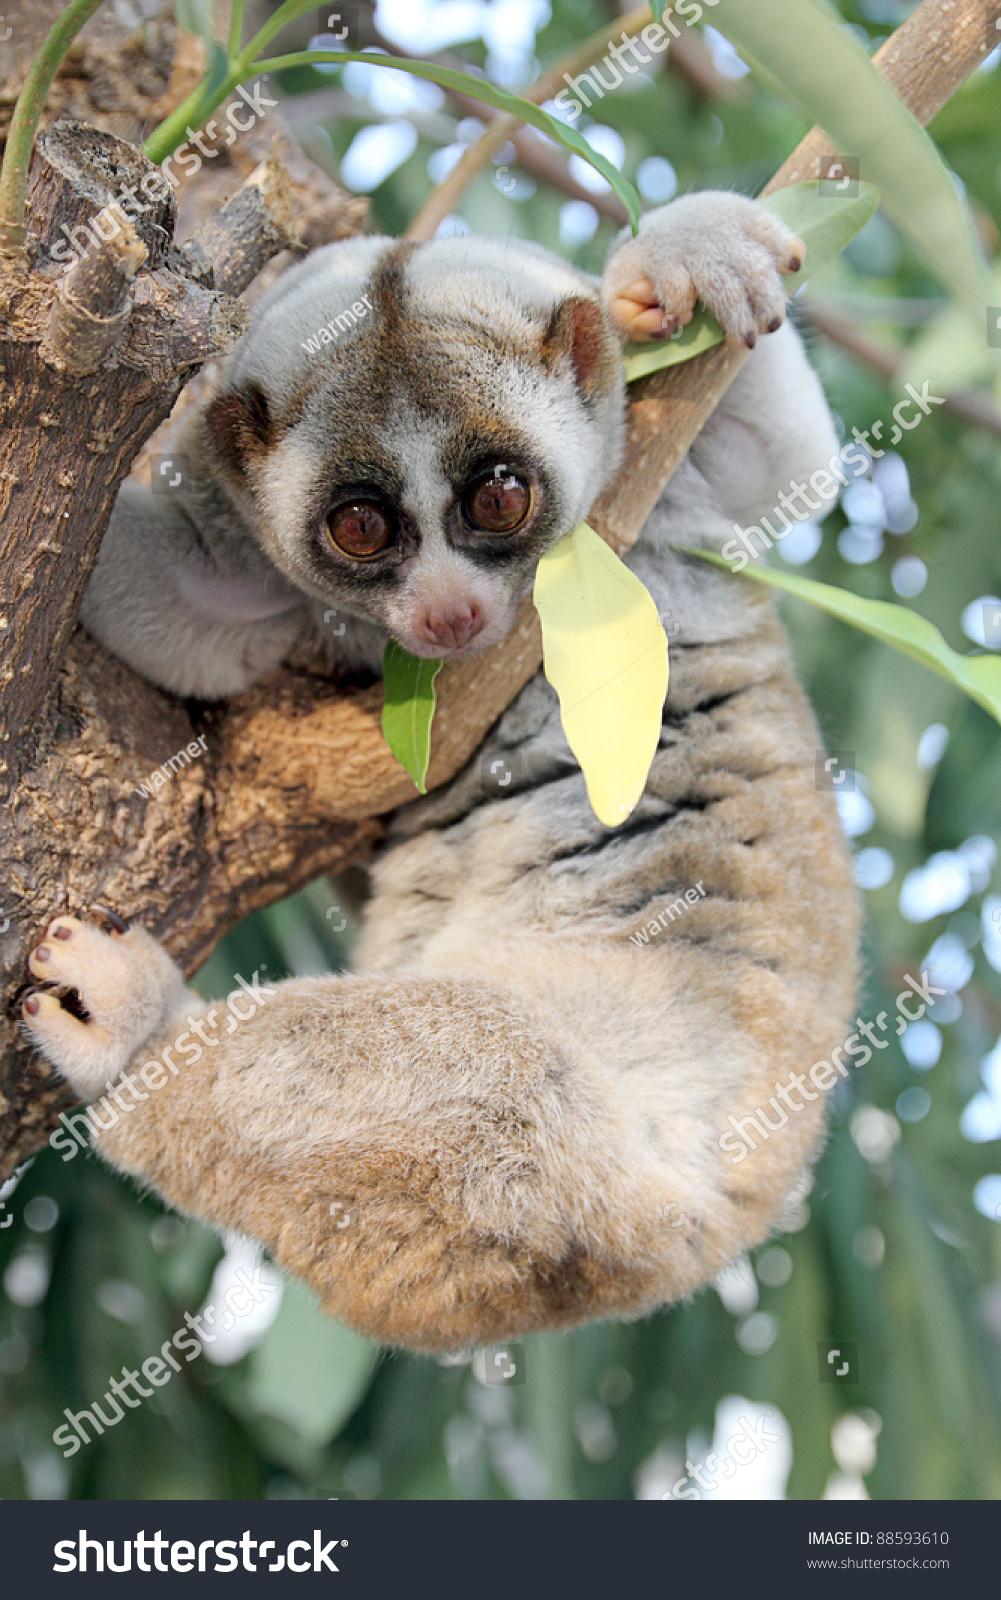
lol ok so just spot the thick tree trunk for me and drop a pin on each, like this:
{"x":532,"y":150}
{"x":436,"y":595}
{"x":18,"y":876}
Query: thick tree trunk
{"x":295,"y":774}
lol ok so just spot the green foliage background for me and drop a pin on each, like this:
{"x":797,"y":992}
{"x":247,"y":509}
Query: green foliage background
{"x":610,"y":1411}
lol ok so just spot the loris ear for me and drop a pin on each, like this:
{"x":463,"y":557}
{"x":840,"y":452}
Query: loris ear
{"x":577,"y":330}
{"x":239,"y":424}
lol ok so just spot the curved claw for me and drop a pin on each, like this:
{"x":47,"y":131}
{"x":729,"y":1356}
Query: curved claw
{"x":109,"y":920}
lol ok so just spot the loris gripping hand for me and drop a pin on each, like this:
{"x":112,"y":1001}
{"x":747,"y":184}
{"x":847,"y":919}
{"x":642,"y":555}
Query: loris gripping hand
{"x":721,"y":249}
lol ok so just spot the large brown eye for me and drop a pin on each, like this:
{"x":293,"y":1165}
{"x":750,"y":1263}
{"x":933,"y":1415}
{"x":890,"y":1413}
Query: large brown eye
{"x":498,"y":503}
{"x":361,"y":528}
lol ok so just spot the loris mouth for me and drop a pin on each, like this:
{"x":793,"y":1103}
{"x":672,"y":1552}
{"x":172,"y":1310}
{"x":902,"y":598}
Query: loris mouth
{"x":438,"y":652}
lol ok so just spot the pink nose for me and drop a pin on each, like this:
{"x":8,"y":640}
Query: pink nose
{"x":450,"y":627}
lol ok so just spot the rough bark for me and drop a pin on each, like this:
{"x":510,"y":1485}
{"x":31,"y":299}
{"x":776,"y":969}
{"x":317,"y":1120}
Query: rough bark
{"x":295,"y":773}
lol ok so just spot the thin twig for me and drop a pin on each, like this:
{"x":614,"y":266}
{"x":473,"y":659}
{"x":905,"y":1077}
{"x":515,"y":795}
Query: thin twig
{"x":540,"y":160}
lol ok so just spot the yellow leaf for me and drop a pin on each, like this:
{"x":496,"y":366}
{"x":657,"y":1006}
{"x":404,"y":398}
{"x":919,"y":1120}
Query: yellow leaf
{"x":606,"y":657}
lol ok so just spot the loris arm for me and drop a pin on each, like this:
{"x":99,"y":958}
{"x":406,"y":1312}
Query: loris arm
{"x":197,"y":620}
{"x":773,"y":426}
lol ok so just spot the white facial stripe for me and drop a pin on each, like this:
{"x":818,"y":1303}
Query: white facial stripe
{"x":287,"y":478}
{"x":416,"y":445}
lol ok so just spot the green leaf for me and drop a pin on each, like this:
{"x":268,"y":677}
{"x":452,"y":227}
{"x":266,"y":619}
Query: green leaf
{"x":639,"y":360}
{"x":478,"y":89}
{"x":195,"y":16}
{"x":605,"y":654}
{"x":979,"y":676}
{"x":824,"y":71}
{"x":408,"y":709}
{"x":965,"y":793}
{"x":307,"y":1371}
{"x":825,"y":226}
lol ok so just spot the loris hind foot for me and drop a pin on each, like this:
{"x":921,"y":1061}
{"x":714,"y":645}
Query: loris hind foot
{"x":107,"y":990}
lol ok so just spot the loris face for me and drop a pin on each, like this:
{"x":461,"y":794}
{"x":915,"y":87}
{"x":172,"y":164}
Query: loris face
{"x":413,"y":468}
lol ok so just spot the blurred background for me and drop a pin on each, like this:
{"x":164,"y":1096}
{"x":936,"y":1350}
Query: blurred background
{"x":894,"y":1255}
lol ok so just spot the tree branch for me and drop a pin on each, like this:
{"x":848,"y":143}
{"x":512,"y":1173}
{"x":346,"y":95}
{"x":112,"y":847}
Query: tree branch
{"x":925,"y":61}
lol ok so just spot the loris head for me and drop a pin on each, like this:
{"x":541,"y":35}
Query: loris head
{"x":409,"y":429}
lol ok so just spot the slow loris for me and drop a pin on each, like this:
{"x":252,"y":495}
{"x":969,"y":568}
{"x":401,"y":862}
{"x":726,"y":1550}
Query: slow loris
{"x":530,"y":1108}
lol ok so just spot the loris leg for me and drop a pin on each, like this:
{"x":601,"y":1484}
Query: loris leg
{"x":442,"y":1166}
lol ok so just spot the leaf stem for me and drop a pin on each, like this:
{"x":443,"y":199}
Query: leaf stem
{"x":24,"y":123}
{"x":235,"y":29}
{"x":291,"y":11}
{"x":519,"y":109}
